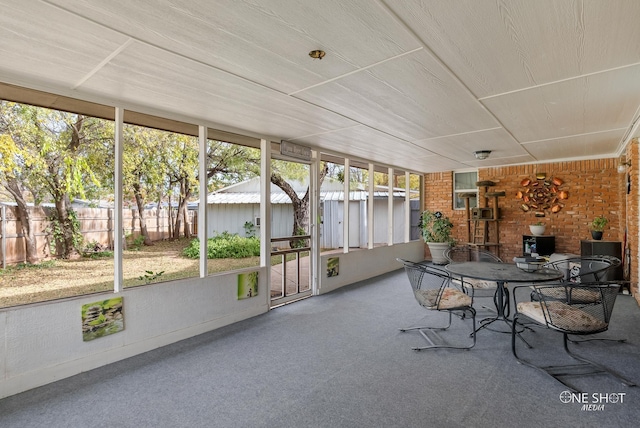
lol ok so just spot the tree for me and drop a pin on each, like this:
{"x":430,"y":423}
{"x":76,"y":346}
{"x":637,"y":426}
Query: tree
{"x":13,"y":169}
{"x":141,"y":168}
{"x":180,"y":161}
{"x":300,"y":204}
{"x":64,"y":140}
{"x":52,"y":160}
{"x":229,"y":164}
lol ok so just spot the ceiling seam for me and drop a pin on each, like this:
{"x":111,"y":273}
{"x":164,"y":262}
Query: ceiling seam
{"x":333,"y":79}
{"x":346,"y":128}
{"x":187,"y":58}
{"x":447,"y":69}
{"x":568,"y":79}
{"x":180,"y":55}
{"x":573,"y":136}
{"x":104,"y":62}
{"x":458,"y":134}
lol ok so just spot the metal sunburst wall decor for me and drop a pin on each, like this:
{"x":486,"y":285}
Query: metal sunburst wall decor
{"x":542,"y":195}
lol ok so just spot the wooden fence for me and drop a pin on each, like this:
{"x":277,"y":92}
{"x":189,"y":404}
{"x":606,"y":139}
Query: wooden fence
{"x":96,"y":225}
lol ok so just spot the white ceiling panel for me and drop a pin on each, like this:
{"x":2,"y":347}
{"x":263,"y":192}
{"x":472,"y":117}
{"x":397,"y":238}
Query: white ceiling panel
{"x":44,"y":43}
{"x":412,"y":97}
{"x":415,"y":84}
{"x":445,"y":163}
{"x":600,"y":102}
{"x":500,"y":46}
{"x":202,"y":92}
{"x":461,"y":147}
{"x":583,"y":146}
{"x":263,"y":41}
{"x":366,"y":143}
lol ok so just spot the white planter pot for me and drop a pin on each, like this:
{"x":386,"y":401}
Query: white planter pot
{"x":537,"y":230}
{"x":437,"y":250}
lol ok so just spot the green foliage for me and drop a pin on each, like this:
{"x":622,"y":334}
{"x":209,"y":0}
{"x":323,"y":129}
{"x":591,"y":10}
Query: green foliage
{"x":249,"y":229}
{"x":95,"y":250}
{"x":599,"y":223}
{"x":57,"y":231}
{"x":136,"y":244}
{"x":150,"y":276}
{"x":225,"y":245}
{"x":299,"y":243}
{"x":21,"y":266}
{"x":436,"y":227}
{"x":101,"y":255}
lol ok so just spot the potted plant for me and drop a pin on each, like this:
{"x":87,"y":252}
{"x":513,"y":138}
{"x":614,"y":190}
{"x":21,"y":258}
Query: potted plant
{"x":537,"y":229}
{"x":436,"y":232}
{"x":597,"y":226}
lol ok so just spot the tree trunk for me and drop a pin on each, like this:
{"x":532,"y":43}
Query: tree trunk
{"x":185,"y":212}
{"x":66,"y":224}
{"x":300,"y":205}
{"x":170,"y":217}
{"x":181,"y":212}
{"x":178,"y":224}
{"x":22,"y":210}
{"x":159,"y":227}
{"x":142,"y":217}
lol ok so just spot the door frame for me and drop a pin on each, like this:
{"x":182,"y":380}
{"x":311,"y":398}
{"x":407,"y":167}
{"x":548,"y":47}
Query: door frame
{"x":314,"y":253}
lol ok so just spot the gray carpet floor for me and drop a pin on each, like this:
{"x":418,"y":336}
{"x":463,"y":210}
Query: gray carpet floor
{"x":338,"y":360}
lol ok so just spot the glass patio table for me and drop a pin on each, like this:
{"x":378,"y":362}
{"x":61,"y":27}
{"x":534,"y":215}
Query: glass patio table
{"x":501,"y":273}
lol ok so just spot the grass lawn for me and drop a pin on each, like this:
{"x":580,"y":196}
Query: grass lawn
{"x":55,"y":279}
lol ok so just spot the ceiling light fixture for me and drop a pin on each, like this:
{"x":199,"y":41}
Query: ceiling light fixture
{"x":482,"y":154}
{"x":317,"y":54}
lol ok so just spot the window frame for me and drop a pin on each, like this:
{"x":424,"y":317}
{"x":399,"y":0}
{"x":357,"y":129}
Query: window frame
{"x":470,"y":190}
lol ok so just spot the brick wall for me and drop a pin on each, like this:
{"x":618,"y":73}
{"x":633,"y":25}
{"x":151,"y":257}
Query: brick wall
{"x":632,"y":214}
{"x":595,"y":188}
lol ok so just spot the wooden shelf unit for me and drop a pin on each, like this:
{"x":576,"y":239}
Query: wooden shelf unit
{"x":483,"y":222}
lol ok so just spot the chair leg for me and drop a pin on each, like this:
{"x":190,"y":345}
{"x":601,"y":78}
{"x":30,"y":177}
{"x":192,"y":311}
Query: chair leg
{"x":597,"y":338}
{"x":597,"y":368}
{"x":432,"y":345}
{"x":560,"y":372}
{"x":426,"y":327}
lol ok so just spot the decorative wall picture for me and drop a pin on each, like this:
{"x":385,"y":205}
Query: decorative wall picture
{"x":102,"y":318}
{"x":333,"y":266}
{"x":542,"y":195}
{"x":247,"y":285}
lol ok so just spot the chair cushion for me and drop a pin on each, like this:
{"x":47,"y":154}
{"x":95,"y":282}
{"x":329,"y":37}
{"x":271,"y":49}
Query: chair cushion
{"x":450,"y":299}
{"x":576,"y":295}
{"x":477,"y":283}
{"x":481,"y":283}
{"x":562,"y":316}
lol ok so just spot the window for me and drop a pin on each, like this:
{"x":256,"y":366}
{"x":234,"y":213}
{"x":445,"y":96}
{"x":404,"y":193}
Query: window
{"x":233,"y":206}
{"x":464,"y":182}
{"x":160,"y":182}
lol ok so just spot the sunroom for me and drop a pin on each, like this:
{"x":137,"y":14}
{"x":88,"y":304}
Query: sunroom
{"x":442,"y":94}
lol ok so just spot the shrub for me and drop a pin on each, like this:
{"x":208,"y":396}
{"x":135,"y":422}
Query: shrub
{"x":225,"y":245}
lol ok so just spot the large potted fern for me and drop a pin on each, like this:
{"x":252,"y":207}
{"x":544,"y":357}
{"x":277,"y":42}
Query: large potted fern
{"x":436,"y":232}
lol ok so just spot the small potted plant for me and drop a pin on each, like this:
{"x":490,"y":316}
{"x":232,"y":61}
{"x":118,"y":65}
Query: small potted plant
{"x":537,"y":229}
{"x":436,"y":232}
{"x":597,"y":227}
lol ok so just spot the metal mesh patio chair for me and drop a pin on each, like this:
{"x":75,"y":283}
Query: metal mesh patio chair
{"x":553,"y":308}
{"x":482,"y":288}
{"x":585,"y":269}
{"x":470,"y":253}
{"x":433,"y":289}
{"x":579,"y":270}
